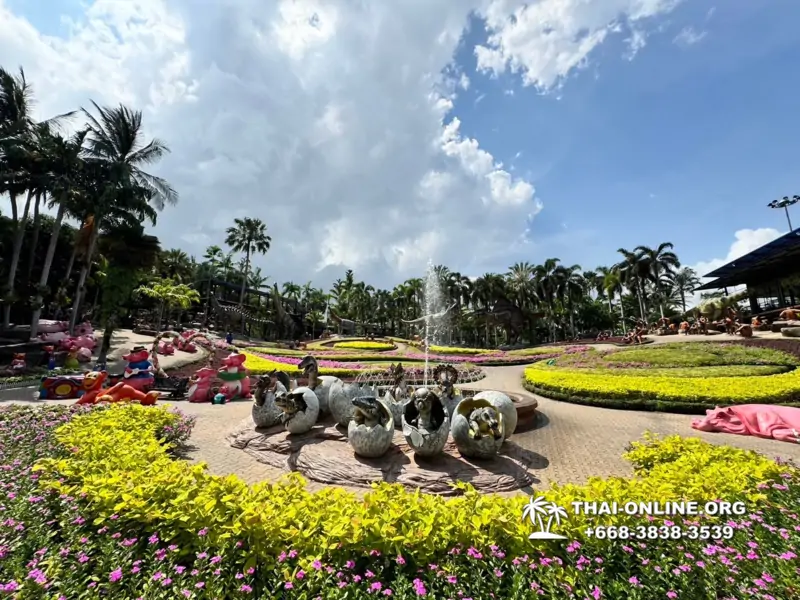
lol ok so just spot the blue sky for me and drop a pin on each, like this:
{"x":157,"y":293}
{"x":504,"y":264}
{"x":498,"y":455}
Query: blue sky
{"x":316,"y":117}
{"x":683,"y":143}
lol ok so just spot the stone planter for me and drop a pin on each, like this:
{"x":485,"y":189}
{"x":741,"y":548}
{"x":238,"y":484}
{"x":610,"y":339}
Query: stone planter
{"x":492,"y":434}
{"x":425,"y":438}
{"x":372,"y":442}
{"x":505,"y":406}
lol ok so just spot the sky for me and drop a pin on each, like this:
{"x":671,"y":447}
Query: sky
{"x":377,"y":136}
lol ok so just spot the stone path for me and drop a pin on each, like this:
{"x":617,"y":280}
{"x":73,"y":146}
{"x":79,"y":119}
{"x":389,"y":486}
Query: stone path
{"x":572,"y":442}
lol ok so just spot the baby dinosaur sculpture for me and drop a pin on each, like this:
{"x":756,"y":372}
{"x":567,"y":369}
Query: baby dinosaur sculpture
{"x":446,"y":376}
{"x":300,"y":409}
{"x":371,"y":430}
{"x":478,"y":428}
{"x":426,"y":424}
{"x":397,"y":396}
{"x":485,"y":422}
{"x":266,"y":412}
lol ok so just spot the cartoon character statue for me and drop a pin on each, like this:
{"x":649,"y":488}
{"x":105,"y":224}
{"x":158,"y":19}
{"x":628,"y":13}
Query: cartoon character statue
{"x":235,"y":377}
{"x":84,"y":355}
{"x":50,"y":354}
{"x":122,"y":392}
{"x":92,"y":385}
{"x":200,"y":385}
{"x":18,"y":364}
{"x":139,"y":374}
{"x":166,"y":348}
{"x":71,"y":362}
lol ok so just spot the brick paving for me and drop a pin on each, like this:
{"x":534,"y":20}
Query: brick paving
{"x":573,"y":442}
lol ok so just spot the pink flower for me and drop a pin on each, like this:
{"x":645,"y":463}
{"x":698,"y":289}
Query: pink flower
{"x":115,"y":575}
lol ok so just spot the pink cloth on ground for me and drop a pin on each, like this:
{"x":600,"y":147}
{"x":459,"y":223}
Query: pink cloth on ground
{"x":761,"y":420}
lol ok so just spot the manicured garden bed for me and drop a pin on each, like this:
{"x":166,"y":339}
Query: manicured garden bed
{"x":687,"y":377}
{"x":97,"y":506}
{"x":365,"y":345}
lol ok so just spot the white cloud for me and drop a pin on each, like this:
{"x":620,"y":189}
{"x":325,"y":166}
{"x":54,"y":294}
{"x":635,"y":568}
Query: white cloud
{"x":746,"y":241}
{"x":689,"y":36}
{"x":327,"y":119}
{"x":546,"y":40}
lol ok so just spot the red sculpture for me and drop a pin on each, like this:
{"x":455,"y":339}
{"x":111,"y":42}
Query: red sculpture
{"x":234,"y":374}
{"x":200,"y":385}
{"x":92,"y":385}
{"x":122,"y":392}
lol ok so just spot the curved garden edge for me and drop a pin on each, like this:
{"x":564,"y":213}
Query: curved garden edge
{"x":643,"y":404}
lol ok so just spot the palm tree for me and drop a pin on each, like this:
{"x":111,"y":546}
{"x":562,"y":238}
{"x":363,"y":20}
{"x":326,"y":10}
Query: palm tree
{"x":169,"y":294}
{"x":685,"y":281}
{"x":248,"y":235}
{"x":66,"y":168}
{"x":657,"y":263}
{"x":122,"y":189}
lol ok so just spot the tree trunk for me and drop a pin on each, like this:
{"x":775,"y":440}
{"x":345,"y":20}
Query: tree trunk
{"x":683,"y":300}
{"x":622,"y":311}
{"x":244,"y":284}
{"x":37,"y":225}
{"x":19,"y":236}
{"x":105,"y":345}
{"x":70,"y":264}
{"x":76,"y":305}
{"x":48,"y":262}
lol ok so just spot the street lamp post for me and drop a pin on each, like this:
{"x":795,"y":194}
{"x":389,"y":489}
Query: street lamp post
{"x":785,"y":203}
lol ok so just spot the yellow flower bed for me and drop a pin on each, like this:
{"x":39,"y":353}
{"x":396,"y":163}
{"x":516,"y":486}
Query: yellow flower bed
{"x":258,"y":365}
{"x":458,"y":350}
{"x":784,"y":387}
{"x":364,"y":345}
{"x":119,"y":466}
{"x":539,"y":350}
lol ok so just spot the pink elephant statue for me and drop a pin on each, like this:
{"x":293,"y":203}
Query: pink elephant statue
{"x":236,"y":381}
{"x":166,"y":348}
{"x":85,"y":341}
{"x":200,"y":383}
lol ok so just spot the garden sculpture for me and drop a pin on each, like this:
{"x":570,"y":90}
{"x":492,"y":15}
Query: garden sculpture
{"x":140,"y":373}
{"x":335,"y":396}
{"x":18,"y":364}
{"x":761,"y":420}
{"x":235,"y":377}
{"x":398,"y":395}
{"x":166,"y":348}
{"x":160,"y":346}
{"x":477,"y":428}
{"x":91,"y":386}
{"x":426,"y":424}
{"x":51,"y":357}
{"x":300,"y":409}
{"x":505,"y":406}
{"x":446,"y":377}
{"x":201,"y":385}
{"x":265,"y":412}
{"x":61,"y":387}
{"x":71,"y":362}
{"x":371,"y":430}
{"x":122,"y":392}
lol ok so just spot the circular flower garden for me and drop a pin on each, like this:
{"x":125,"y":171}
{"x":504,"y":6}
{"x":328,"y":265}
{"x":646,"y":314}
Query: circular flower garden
{"x":365,"y":345}
{"x":679,"y":377}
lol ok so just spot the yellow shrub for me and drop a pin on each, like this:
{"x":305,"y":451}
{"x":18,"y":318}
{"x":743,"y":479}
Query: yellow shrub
{"x":783,"y":387}
{"x":122,"y":469}
{"x":258,"y":365}
{"x":364,"y":345}
{"x":459,"y":350}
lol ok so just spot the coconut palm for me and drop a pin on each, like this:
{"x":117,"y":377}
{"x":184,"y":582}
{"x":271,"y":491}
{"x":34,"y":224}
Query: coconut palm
{"x":248,"y":235}
{"x":123,"y":190}
{"x":685,"y":282}
{"x":658,"y":263}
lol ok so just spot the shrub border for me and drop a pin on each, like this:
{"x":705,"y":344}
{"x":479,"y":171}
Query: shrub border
{"x":645,"y":404}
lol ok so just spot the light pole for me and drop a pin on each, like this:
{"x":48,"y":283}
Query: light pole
{"x":785,"y":203}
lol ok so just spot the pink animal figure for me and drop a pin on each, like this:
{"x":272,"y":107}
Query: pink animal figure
{"x":760,"y":420}
{"x":53,"y":337}
{"x":46,"y":326}
{"x":84,"y":328}
{"x":200,"y":385}
{"x":84,"y":355}
{"x":184,"y":346}
{"x":139,"y":374}
{"x":233,"y":373}
{"x":166,"y":348}
{"x":85,"y":341}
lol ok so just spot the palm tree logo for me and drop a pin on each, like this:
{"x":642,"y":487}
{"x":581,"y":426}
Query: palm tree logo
{"x":536,"y":509}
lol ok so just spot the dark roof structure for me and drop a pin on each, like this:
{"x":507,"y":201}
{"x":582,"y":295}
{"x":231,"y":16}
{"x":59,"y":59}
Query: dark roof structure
{"x":771,"y":261}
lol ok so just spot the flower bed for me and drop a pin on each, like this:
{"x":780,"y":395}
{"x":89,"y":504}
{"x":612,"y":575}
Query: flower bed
{"x":108,"y":512}
{"x":676,"y":377}
{"x":460,"y":350}
{"x":365,"y":345}
{"x":259,"y":364}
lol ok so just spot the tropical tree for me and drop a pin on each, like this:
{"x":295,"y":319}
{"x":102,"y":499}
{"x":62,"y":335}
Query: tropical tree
{"x":657,"y":265}
{"x":169,"y":295}
{"x":685,"y":282}
{"x":248,"y":235}
{"x":121,"y":190}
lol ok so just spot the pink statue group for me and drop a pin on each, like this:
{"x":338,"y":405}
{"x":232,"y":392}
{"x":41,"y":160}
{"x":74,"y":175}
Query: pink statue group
{"x":55,"y":332}
{"x":235,"y":378}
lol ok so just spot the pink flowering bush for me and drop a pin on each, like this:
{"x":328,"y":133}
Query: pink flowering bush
{"x":55,"y":546}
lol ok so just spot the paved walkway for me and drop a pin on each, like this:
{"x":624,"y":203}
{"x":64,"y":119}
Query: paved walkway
{"x":573,"y":442}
